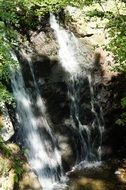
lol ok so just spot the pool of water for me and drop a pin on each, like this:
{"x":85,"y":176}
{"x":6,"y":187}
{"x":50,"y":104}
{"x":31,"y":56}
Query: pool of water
{"x":109,"y":175}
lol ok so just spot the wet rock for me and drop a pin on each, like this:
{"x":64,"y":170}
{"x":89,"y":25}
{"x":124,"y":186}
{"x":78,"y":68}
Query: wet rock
{"x":29,"y":180}
{"x":97,"y":177}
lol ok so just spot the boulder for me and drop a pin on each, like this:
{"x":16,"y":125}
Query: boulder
{"x":7,"y":129}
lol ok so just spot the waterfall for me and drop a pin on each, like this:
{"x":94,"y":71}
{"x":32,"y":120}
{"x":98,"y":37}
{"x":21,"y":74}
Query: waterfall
{"x":42,"y":152}
{"x":66,"y":47}
{"x":99,"y":120}
{"x":89,"y":135}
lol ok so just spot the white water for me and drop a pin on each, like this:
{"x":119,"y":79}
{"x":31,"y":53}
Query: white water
{"x":99,"y":118}
{"x":42,"y":152}
{"x":67,"y":47}
{"x":90,"y":146}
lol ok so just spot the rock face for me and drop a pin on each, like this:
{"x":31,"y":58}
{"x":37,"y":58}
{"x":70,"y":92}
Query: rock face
{"x":111,"y":88}
{"x":51,"y":80}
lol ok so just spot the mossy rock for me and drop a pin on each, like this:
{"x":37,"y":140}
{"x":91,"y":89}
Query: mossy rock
{"x":6,"y":174}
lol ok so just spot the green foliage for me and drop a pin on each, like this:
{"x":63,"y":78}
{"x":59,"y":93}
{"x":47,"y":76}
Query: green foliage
{"x":7,"y":39}
{"x":5,"y":58}
{"x":13,"y":12}
{"x":95,"y":13}
{"x":117,"y":44}
{"x":5,"y":95}
{"x":117,"y":33}
{"x":122,"y":119}
{"x":16,"y":160}
{"x":6,"y":62}
{"x":18,"y":169}
{"x":24,"y":13}
{"x":123,"y":103}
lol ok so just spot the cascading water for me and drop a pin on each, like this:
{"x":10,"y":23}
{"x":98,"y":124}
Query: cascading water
{"x":89,"y":135}
{"x":42,"y":151}
{"x":98,"y":123}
